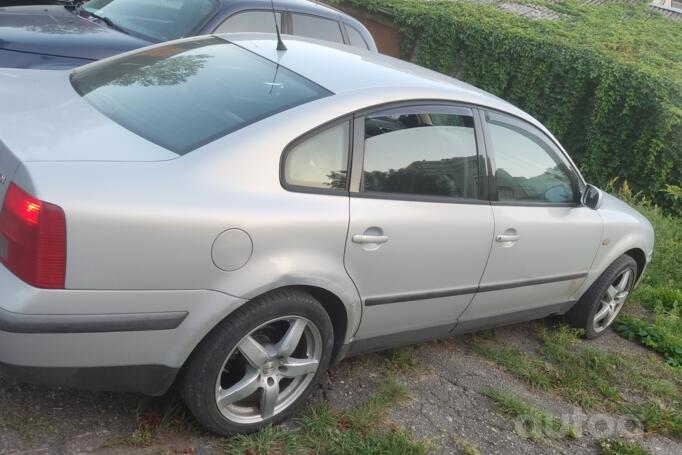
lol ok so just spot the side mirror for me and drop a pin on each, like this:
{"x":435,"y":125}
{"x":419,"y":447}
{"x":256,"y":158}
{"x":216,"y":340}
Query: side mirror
{"x":592,"y":197}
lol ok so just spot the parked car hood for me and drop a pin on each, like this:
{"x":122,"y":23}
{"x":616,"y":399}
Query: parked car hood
{"x":56,"y":30}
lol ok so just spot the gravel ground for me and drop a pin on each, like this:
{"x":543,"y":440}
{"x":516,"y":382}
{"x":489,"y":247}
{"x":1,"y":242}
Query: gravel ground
{"x":448,"y":406}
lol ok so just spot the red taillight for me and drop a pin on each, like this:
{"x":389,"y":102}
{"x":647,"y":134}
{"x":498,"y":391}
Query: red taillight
{"x":33,"y":239}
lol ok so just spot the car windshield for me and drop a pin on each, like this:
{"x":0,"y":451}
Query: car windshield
{"x":156,"y":20}
{"x":187,"y":94}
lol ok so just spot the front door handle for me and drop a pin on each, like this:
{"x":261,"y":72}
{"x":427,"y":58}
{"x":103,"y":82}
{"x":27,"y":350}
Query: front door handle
{"x":507,"y":238}
{"x":362,"y":238}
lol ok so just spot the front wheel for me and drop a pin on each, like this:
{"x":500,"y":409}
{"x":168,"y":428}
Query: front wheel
{"x":259,"y":364}
{"x":598,"y":307}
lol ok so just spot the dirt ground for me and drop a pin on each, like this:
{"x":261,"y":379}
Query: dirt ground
{"x":448,"y":407}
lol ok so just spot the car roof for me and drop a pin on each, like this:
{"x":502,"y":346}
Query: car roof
{"x":299,"y":6}
{"x":343,"y":69}
{"x":316,"y":8}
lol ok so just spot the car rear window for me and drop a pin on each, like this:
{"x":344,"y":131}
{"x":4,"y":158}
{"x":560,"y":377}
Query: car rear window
{"x":184,"y":95}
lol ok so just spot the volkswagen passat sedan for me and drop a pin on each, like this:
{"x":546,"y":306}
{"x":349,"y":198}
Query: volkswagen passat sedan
{"x":70,"y":33}
{"x":218,"y":214}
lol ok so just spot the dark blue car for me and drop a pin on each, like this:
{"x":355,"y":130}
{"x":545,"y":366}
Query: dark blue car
{"x":66,"y":34}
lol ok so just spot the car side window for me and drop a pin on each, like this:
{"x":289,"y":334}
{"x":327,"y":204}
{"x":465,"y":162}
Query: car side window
{"x":251,"y":21}
{"x":528,"y":168}
{"x":355,"y":37}
{"x":320,"y":161}
{"x":316,"y":27}
{"x":421,"y":152}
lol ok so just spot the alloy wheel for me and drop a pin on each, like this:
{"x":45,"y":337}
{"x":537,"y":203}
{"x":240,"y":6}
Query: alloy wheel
{"x":612,"y":301}
{"x":268,"y":370}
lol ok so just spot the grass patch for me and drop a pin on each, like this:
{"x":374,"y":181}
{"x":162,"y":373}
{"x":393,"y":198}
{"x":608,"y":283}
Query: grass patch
{"x":403,"y":359}
{"x":619,"y":447}
{"x":25,"y":422}
{"x":322,"y":430}
{"x":154,"y":416}
{"x":652,"y":297}
{"x":662,"y":333}
{"x":531,"y":370}
{"x":464,"y":446}
{"x":593,"y":378}
{"x":268,"y":441}
{"x":536,"y":424}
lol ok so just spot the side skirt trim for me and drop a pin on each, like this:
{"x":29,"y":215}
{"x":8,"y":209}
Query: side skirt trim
{"x":395,"y":340}
{"x":490,"y":322}
{"x":470,"y":290}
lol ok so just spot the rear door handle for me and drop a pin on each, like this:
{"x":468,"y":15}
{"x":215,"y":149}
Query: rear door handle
{"x":507,"y":238}
{"x":361,"y":238}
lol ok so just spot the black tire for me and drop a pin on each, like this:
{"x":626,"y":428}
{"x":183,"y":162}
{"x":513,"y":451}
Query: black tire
{"x":582,"y":314}
{"x":198,"y":381}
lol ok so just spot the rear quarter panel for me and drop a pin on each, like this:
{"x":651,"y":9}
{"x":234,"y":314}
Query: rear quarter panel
{"x":152,"y":225}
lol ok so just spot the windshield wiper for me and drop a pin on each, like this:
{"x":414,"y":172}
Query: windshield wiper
{"x":104,"y":19}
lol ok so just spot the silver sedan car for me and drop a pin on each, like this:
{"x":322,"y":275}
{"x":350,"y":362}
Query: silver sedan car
{"x":231,"y":218}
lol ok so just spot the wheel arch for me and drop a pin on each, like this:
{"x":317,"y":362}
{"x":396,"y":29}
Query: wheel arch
{"x":337,"y":311}
{"x":341,"y":314}
{"x":640,"y":258}
{"x":604,"y":259}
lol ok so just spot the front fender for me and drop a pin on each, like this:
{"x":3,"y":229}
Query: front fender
{"x":625,"y":229}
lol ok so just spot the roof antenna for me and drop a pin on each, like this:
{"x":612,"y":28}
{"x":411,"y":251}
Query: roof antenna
{"x":280,"y":43}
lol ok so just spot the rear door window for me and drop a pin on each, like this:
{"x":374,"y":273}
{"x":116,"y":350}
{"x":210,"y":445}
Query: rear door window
{"x":356,"y":39}
{"x":316,"y":27}
{"x":421,"y":152}
{"x":251,"y":21}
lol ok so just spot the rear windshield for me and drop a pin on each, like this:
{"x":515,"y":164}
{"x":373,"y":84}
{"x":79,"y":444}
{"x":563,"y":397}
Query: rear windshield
{"x":184,"y":95}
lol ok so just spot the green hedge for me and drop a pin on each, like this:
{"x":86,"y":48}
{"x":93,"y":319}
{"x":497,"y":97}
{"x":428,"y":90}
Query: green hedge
{"x":606,"y":80}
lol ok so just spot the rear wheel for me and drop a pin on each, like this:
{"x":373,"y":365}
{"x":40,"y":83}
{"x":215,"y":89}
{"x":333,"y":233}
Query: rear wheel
{"x":598,"y":307}
{"x":259,"y":364}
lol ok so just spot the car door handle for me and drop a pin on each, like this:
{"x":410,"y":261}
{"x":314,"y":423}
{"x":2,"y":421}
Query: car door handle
{"x":507,"y":238}
{"x":361,"y":238}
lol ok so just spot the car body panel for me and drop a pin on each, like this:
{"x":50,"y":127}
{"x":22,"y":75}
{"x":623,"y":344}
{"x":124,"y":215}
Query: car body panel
{"x":421,"y":236}
{"x":540,"y":254}
{"x":74,"y":350}
{"x":624,"y":229}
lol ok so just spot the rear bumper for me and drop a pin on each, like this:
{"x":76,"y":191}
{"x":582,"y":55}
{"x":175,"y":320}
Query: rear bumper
{"x":105,"y":340}
{"x":90,"y":323}
{"x":151,"y":380}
